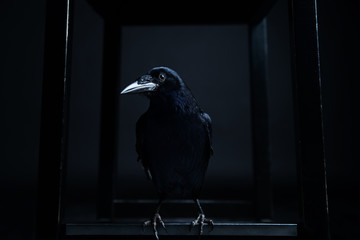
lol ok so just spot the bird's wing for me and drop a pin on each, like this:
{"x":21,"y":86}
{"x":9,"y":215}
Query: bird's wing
{"x":140,"y":137}
{"x":206,"y":120}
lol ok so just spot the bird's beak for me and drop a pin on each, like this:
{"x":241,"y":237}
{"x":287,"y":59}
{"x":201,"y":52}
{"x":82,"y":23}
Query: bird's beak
{"x":143,"y":84}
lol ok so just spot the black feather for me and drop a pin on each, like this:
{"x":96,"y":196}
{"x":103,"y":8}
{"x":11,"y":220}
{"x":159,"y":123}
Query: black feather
{"x":174,"y":138}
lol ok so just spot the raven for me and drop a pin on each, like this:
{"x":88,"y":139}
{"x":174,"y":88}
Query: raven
{"x":173,"y":140}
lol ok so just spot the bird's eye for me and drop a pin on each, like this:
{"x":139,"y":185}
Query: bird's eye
{"x":162,"y":77}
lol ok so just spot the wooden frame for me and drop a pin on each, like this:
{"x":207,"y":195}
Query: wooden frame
{"x":308,"y":113}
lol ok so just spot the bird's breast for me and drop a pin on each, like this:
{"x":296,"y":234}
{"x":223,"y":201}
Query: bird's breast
{"x":174,"y":137}
{"x":174,"y":149}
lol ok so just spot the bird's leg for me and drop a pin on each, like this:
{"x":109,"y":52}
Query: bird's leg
{"x":155,"y":220}
{"x":201,"y":220}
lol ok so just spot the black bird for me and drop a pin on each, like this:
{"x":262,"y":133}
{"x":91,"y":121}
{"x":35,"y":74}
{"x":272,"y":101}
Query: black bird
{"x":173,"y":140}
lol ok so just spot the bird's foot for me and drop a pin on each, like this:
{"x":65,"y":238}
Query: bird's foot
{"x":201,"y":220}
{"x":154,"y":222}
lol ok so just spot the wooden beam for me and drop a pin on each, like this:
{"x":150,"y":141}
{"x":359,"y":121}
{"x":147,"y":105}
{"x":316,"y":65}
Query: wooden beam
{"x":309,"y":120}
{"x":53,"y":130}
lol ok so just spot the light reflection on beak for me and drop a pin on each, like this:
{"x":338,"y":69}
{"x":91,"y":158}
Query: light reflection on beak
{"x":137,"y":87}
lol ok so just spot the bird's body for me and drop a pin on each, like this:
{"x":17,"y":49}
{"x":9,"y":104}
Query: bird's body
{"x":173,"y":144}
{"x":173,"y":137}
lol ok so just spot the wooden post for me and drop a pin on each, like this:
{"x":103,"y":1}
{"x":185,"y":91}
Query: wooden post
{"x":53,"y":130}
{"x":109,"y":111}
{"x":309,"y":120}
{"x":260,"y":119}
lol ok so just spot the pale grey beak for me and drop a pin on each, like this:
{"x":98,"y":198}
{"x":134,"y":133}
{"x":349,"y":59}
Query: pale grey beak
{"x":138,"y":87}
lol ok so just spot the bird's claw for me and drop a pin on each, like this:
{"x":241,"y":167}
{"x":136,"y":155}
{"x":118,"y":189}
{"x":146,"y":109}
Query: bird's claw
{"x":153,"y":222}
{"x":201,"y":220}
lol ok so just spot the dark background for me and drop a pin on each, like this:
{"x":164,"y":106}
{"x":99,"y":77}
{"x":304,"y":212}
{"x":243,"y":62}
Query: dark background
{"x":214,"y":62}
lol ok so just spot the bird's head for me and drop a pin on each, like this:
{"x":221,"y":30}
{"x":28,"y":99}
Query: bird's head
{"x":157,"y":80}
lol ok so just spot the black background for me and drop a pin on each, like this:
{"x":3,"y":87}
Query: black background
{"x":213,"y":60}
